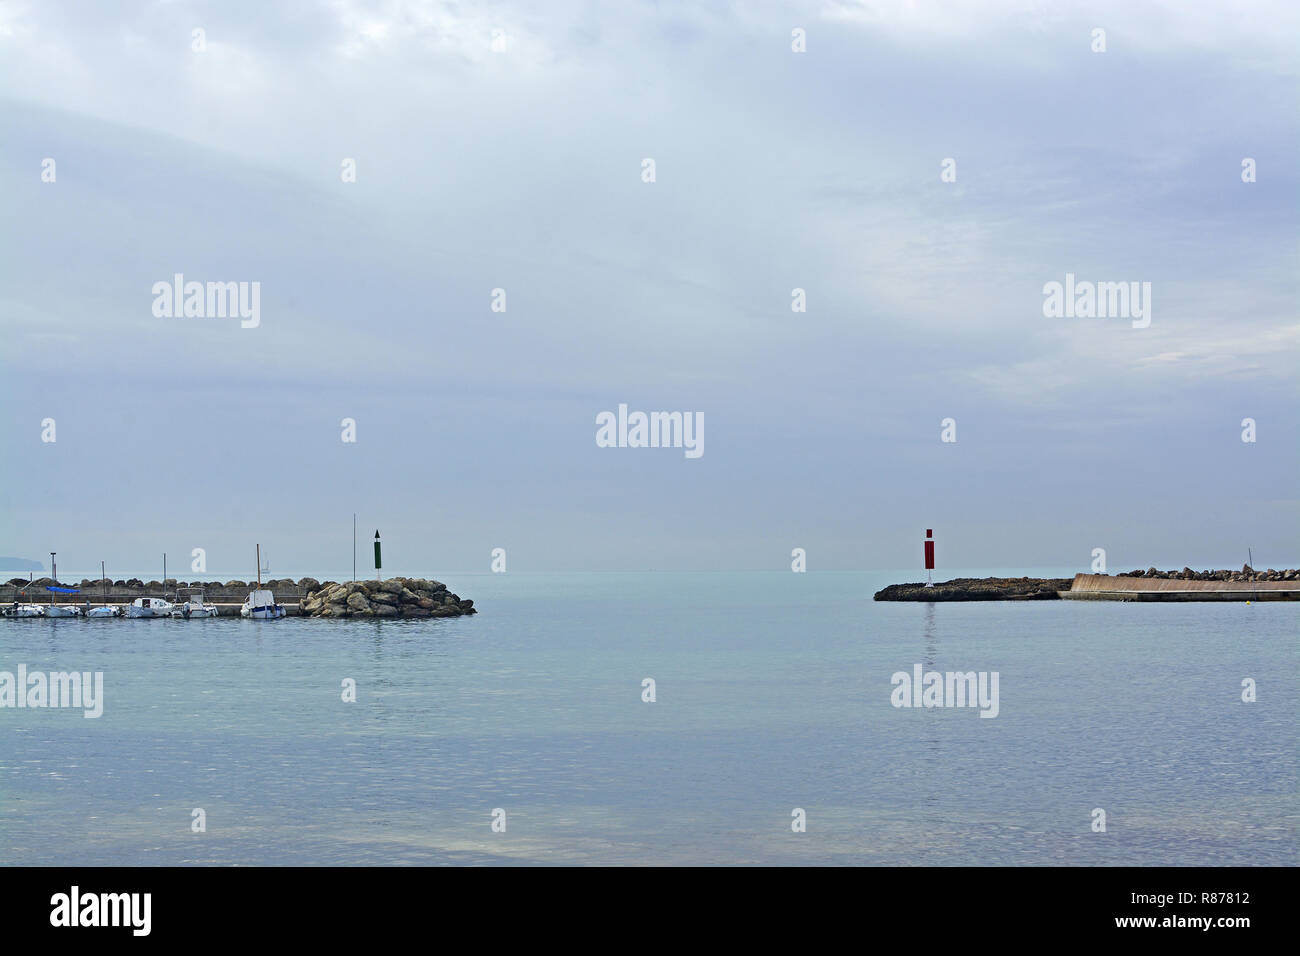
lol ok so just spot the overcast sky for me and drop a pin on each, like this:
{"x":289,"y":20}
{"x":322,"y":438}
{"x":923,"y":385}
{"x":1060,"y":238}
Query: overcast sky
{"x":521,"y":168}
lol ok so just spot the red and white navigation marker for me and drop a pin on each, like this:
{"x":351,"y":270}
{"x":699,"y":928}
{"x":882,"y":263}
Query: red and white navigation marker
{"x":929,"y":556}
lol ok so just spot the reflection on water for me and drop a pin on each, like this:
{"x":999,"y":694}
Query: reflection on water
{"x":931,"y":638}
{"x":931,"y":643}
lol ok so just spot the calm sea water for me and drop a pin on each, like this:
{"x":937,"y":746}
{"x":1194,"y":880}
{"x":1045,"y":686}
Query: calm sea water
{"x":773,"y":692}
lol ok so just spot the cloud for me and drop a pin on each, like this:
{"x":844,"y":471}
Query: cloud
{"x":519,"y":167}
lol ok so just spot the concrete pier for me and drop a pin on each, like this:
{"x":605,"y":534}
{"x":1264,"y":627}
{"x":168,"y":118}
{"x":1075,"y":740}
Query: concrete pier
{"x":1103,"y":587}
{"x":228,"y":599}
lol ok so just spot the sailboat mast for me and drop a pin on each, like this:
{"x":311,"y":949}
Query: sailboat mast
{"x":259,"y":567}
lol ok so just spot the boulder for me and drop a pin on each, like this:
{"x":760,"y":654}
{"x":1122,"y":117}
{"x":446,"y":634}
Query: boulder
{"x":394,"y":597}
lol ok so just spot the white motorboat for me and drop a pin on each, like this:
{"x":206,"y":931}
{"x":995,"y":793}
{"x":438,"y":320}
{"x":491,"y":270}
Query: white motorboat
{"x":149,"y":607}
{"x":193,"y":605}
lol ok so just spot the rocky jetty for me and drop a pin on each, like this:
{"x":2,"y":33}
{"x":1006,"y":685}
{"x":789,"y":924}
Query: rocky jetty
{"x":978,"y":589}
{"x":1246,"y":584}
{"x":395,"y":597}
{"x":1247,"y":573}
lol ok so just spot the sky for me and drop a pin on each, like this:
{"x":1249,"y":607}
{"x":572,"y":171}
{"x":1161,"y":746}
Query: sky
{"x":504,"y":146}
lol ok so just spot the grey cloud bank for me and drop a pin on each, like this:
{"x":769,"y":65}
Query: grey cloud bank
{"x":520,"y":170}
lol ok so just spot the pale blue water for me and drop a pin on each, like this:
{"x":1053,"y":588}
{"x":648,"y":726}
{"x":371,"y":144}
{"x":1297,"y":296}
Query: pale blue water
{"x":773,"y":693}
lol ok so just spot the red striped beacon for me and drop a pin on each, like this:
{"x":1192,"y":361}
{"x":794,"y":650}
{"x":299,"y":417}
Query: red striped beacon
{"x":929,"y":555}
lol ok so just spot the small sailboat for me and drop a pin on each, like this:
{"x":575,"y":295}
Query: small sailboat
{"x":61,"y":610}
{"x":25,"y":609}
{"x":193,"y":604}
{"x":260,"y":604}
{"x":105,"y":610}
{"x":149,"y":607}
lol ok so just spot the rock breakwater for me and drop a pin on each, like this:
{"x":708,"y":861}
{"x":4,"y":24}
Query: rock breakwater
{"x":978,"y":589}
{"x":1247,"y":573}
{"x":394,"y":597}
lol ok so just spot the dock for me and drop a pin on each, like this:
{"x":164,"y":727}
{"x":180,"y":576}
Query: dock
{"x":1104,"y":587}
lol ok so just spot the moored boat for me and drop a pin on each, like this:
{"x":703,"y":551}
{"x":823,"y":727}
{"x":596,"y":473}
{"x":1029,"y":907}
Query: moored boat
{"x":149,"y":607}
{"x":106,"y":610}
{"x":193,"y":606}
{"x":61,"y":610}
{"x":260,"y":604}
{"x":24,"y":610}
